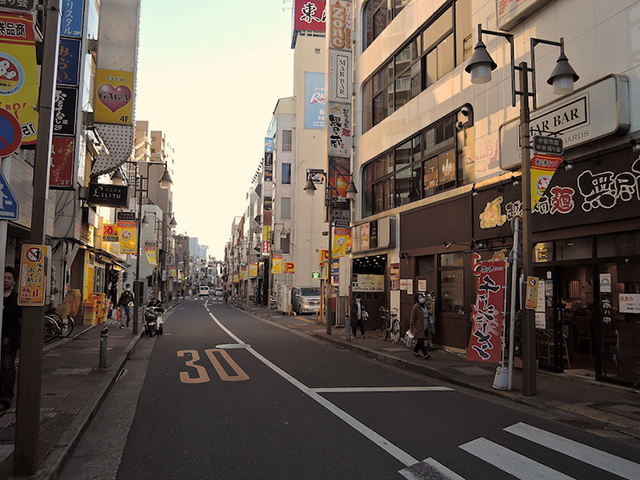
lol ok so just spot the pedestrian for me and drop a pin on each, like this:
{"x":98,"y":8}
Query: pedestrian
{"x":358,"y":315}
{"x":126,"y":304}
{"x":11,"y":316}
{"x":418,"y":325}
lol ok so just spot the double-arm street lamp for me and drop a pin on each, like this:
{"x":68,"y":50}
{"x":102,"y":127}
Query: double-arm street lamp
{"x":331,"y":200}
{"x":562,"y":78}
{"x":165,"y":182}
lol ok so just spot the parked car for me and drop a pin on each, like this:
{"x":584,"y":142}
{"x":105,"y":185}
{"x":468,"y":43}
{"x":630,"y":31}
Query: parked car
{"x":203,"y":291}
{"x":219,"y":292}
{"x":305,"y":300}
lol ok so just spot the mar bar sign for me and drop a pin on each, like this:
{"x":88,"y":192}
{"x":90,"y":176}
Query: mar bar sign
{"x":108,"y":195}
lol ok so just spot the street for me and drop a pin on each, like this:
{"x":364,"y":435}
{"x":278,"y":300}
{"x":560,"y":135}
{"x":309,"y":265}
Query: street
{"x":225,"y":395}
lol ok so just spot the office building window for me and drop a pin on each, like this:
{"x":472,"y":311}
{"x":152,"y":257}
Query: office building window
{"x":377,"y":15}
{"x":286,"y":140}
{"x":285,"y":244}
{"x":286,"y":173}
{"x":285,"y":208}
{"x":428,"y":56}
{"x":434,"y":160}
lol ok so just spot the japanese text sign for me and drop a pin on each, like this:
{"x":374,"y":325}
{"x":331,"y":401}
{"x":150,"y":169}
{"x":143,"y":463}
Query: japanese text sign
{"x":114,"y":97}
{"x":33,"y":275}
{"x":127,"y":234}
{"x":487,"y":314}
{"x":18,"y":72}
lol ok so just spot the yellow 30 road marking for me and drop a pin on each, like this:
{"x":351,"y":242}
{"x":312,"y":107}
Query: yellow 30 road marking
{"x":240,"y":374}
{"x":201,"y":373}
{"x":202,"y":377}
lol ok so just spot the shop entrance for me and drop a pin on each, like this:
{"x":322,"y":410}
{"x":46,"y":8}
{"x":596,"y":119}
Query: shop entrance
{"x":577,"y":305}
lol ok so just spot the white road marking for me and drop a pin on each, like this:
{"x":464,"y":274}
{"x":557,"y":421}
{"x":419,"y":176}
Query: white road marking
{"x":511,"y":462}
{"x":603,"y":460}
{"x":429,"y":469}
{"x":379,"y":440}
{"x":380,"y":389}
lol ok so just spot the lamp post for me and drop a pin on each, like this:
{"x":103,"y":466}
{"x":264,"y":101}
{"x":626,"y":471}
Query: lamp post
{"x":562,"y":78}
{"x":165,"y":182}
{"x":331,"y":196}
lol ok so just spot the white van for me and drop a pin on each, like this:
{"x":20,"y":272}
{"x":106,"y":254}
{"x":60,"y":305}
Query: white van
{"x":204,"y":291}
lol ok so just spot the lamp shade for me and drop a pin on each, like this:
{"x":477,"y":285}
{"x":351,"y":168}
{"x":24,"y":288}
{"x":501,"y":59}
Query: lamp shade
{"x":173,"y":223}
{"x":351,"y":191}
{"x":310,"y":187}
{"x":117,"y":178}
{"x":165,"y":179}
{"x":480,"y":64}
{"x":563,"y":76}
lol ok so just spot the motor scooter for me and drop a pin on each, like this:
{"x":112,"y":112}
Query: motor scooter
{"x":153,"y":322}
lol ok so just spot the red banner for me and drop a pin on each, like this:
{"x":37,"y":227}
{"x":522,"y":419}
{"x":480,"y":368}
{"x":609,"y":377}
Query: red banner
{"x":309,"y":15}
{"x":487,"y":315}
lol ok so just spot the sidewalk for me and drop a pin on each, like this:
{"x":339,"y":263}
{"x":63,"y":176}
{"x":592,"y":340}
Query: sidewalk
{"x":73,"y":387}
{"x":602,"y":408}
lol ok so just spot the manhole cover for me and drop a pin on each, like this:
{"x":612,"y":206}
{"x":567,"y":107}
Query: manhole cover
{"x":232,"y":346}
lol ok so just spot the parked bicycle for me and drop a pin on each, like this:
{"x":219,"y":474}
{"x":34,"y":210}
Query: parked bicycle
{"x":56,"y":326}
{"x":390,"y":324}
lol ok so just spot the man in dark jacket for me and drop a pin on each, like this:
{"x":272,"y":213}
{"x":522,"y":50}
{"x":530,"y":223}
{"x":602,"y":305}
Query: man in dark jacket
{"x":126,"y":304}
{"x":11,"y":315}
{"x":358,"y":315}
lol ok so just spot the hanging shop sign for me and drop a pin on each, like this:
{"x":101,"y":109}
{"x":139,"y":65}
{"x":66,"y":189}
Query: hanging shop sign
{"x":64,"y":111}
{"x":340,"y":130}
{"x":150,"y":249}
{"x":590,"y":113}
{"x":109,"y":232}
{"x":61,"y":167}
{"x":19,"y":81}
{"x":127,"y":236}
{"x":108,"y":195}
{"x":341,"y":242}
{"x":114,"y":97}
{"x":542,"y":169}
{"x":276,"y":264}
{"x":71,"y":21}
{"x":289,"y":267}
{"x":253,"y":269}
{"x":68,"y":62}
{"x":487,"y":315}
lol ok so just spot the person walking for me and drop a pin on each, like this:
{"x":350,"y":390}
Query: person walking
{"x":358,"y":315}
{"x":11,"y":316}
{"x":126,"y":304}
{"x":418,"y":325}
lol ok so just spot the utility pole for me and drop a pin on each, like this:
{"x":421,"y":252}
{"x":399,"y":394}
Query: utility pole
{"x":30,"y":373}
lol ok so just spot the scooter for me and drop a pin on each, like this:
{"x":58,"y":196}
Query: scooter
{"x":153,"y":322}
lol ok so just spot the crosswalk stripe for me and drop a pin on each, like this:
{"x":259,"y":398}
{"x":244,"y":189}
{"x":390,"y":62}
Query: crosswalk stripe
{"x":511,"y":462}
{"x":603,"y":460}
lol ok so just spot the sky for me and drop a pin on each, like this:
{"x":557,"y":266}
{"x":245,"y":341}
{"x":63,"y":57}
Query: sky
{"x":209,"y":76}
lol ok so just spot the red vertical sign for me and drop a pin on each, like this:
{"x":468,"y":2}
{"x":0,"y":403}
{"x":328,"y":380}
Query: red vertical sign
{"x":487,"y":314}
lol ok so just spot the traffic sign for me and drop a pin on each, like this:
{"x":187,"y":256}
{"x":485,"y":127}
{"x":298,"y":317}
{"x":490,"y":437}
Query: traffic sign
{"x":548,"y":145}
{"x":8,"y":202}
{"x":10,"y":133}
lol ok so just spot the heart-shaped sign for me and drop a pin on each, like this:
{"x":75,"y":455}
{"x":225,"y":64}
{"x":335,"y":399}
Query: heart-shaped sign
{"x":114,"y":98}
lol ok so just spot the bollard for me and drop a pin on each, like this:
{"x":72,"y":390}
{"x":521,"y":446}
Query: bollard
{"x":347,"y":321}
{"x":104,"y":334}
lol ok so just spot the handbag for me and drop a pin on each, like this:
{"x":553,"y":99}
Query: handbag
{"x":364,"y":315}
{"x":408,"y":338}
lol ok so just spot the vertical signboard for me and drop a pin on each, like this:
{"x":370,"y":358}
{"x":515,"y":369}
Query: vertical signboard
{"x":114,"y":97}
{"x":71,"y":21}
{"x":18,"y":72}
{"x":308,"y":16}
{"x":33,"y":275}
{"x":267,"y":203}
{"x":61,"y":166}
{"x":314,"y":110}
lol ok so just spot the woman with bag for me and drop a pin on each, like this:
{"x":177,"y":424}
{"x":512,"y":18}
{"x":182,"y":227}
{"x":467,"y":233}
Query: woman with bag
{"x":418,"y":324}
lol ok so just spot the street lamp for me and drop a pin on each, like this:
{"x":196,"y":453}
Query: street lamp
{"x":165,"y":182}
{"x":331,"y":197}
{"x":562,"y":78}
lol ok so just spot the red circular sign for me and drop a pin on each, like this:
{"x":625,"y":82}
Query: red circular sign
{"x":10,"y":133}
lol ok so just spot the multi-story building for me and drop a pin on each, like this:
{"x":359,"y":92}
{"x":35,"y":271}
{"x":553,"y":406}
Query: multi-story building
{"x":437,"y":163}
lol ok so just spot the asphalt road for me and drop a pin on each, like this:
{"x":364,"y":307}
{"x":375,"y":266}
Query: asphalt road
{"x":285,"y":406}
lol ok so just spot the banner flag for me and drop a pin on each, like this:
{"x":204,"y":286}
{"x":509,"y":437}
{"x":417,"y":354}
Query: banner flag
{"x":542,"y":169}
{"x":127,"y":235}
{"x":487,"y":315}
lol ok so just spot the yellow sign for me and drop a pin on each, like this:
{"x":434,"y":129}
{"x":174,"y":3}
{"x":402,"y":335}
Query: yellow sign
{"x":276,"y":265}
{"x":150,"y":250}
{"x":127,"y":234}
{"x":18,"y":72}
{"x":532,"y":293}
{"x":253,"y":270}
{"x":114,"y":97}
{"x":235,"y":278}
{"x":542,"y":169}
{"x":109,"y":233}
{"x":341,"y":239}
{"x":33,"y":276}
{"x":289,"y":267}
{"x":243,"y":273}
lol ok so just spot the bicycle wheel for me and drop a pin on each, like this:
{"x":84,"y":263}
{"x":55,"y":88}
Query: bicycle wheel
{"x":67,"y":325}
{"x":385,"y":330}
{"x":51,"y":328}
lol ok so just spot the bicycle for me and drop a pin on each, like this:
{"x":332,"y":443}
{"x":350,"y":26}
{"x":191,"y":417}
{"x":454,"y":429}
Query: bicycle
{"x":56,"y":326}
{"x":390,"y":324}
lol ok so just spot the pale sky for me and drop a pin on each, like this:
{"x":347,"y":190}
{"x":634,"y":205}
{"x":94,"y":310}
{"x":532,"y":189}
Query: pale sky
{"x":209,"y":76}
